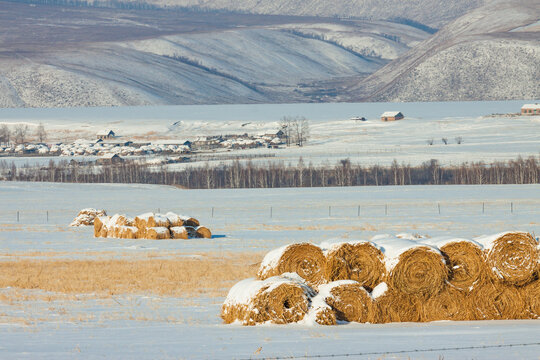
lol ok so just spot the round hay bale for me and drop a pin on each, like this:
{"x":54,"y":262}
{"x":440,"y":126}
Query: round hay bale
{"x":513,"y":257}
{"x":190,"y":221}
{"x":362,"y":262}
{"x":178,"y":232}
{"x":123,"y":220}
{"x":175,"y":220}
{"x":203,"y":232}
{"x":141,"y":233}
{"x":467,"y":263}
{"x":127,"y":232}
{"x":497,"y":301}
{"x":531,"y":294}
{"x":86,"y":217}
{"x":150,"y":220}
{"x":158,"y":233}
{"x":419,"y":271}
{"x":449,"y":304}
{"x":305,"y":259}
{"x":279,"y":300}
{"x":394,"y":306}
{"x":349,"y":301}
{"x":325,"y":316}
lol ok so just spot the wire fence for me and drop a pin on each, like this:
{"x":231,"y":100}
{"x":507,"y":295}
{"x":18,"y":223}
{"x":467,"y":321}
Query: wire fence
{"x":396,"y":352}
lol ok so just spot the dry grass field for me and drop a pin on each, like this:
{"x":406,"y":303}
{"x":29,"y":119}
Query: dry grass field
{"x":179,"y":277}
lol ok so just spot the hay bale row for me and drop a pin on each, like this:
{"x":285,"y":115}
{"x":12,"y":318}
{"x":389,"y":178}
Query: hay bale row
{"x":398,"y":280}
{"x":87,"y":216}
{"x":150,"y":226}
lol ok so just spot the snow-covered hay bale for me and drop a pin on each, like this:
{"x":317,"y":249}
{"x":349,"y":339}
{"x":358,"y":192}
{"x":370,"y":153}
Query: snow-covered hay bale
{"x":99,"y":224}
{"x":419,"y":271}
{"x":497,"y":301}
{"x":279,"y":299}
{"x":158,"y":233}
{"x":349,"y":301}
{"x":175,"y":220}
{"x":190,"y":221}
{"x":178,"y":232}
{"x":305,"y":259}
{"x":531,"y":295}
{"x":449,"y":304}
{"x":325,"y":315}
{"x":151,"y":220}
{"x":202,"y":232}
{"x":127,"y":232}
{"x":86,"y":217}
{"x":512,"y":257}
{"x":123,"y":220}
{"x":361,"y":261}
{"x":467,"y":263}
{"x":394,"y":306}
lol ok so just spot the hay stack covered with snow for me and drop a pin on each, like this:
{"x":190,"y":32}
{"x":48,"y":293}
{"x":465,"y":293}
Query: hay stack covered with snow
{"x":405,"y":279}
{"x":86,"y":217}
{"x":153,"y":226}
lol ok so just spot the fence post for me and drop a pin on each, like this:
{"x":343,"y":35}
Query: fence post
{"x":439,"y":206}
{"x":212,"y":211}
{"x":158,"y":210}
{"x":483,"y":208}
{"x":47,"y":215}
{"x":512,"y":207}
{"x":271,"y":214}
{"x":17,"y":216}
{"x":358,"y":210}
{"x":329,"y":211}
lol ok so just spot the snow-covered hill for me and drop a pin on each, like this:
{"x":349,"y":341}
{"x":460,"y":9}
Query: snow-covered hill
{"x":491,"y":53}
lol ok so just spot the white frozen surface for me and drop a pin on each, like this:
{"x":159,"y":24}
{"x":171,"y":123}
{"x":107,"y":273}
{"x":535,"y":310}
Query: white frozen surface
{"x":379,"y":290}
{"x":393,"y":247}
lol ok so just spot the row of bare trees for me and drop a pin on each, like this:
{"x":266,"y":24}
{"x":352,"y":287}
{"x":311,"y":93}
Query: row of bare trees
{"x":20,"y":134}
{"x":277,"y":174}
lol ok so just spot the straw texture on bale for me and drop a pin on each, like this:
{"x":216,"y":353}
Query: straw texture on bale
{"x":351,"y":302}
{"x":514,"y":258}
{"x":467,"y":264}
{"x":449,"y":304}
{"x":178,"y":232}
{"x":158,"y":233}
{"x":203,"y":232}
{"x":305,"y":259}
{"x":87,"y":216}
{"x":98,"y":225}
{"x":531,"y":295}
{"x":420,"y":271}
{"x":361,"y":262}
{"x":395,"y":306}
{"x":281,"y":304}
{"x":127,"y":232}
{"x":174,"y":219}
{"x":325,"y":316}
{"x":151,"y":220}
{"x":189,"y":221}
{"x":497,"y":301}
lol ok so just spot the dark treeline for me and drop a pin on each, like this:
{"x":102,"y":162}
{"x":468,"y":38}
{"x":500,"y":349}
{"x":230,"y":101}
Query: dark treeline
{"x":276,"y":174}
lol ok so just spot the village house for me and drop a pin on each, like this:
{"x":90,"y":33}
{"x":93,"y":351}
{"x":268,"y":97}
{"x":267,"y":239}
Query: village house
{"x":392,"y":116}
{"x":530,"y":109}
{"x":105,"y":134}
{"x":109,"y":159}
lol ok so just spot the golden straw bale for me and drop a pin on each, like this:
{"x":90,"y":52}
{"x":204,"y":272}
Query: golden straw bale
{"x":104,"y":232}
{"x":150,"y":220}
{"x":305,"y":259}
{"x":157,"y":233}
{"x":86,"y":217}
{"x":531,"y":294}
{"x":449,"y":304}
{"x":175,"y":220}
{"x":203,"y":232}
{"x":497,"y":301}
{"x":178,"y":232}
{"x":362,"y":262}
{"x":123,"y":220}
{"x":98,"y":225}
{"x":349,"y":300}
{"x":513,"y":258}
{"x":141,"y":233}
{"x":127,"y":232}
{"x":279,"y":300}
{"x":420,"y":271}
{"x":394,"y":306}
{"x":190,"y":221}
{"x":467,"y":264}
{"x":325,"y":316}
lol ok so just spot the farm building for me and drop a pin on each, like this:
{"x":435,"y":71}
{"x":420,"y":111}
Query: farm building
{"x":530,"y":109}
{"x":109,"y":159}
{"x":105,"y":134}
{"x":391,"y":116}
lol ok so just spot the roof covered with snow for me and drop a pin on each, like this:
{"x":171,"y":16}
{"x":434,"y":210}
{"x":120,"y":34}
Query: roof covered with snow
{"x":104,"y":132}
{"x":531,"y":106}
{"x":391,"y":113}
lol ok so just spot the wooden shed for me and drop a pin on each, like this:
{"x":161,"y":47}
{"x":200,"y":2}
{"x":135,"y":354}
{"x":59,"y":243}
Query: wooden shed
{"x":392,"y":116}
{"x":105,"y":134}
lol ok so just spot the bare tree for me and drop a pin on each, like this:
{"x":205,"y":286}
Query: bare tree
{"x":5,"y":134}
{"x":300,"y":130}
{"x":286,"y":126}
{"x":41,"y":134}
{"x":20,"y":133}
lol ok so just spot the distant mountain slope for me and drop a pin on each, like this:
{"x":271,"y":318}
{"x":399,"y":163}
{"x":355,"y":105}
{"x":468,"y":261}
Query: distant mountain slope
{"x":491,"y":53}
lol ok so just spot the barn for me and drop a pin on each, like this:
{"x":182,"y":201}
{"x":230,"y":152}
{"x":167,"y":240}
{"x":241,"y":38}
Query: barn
{"x":105,"y":134}
{"x":109,"y":159}
{"x":391,"y":116}
{"x":530,"y":109}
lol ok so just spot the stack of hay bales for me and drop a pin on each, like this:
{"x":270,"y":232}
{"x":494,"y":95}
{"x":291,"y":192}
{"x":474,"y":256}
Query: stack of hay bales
{"x":86,"y":217}
{"x":390,"y":279}
{"x":150,"y":226}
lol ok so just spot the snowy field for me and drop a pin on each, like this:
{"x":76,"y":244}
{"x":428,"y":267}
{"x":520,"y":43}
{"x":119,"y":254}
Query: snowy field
{"x":150,"y":326}
{"x":333,"y":135}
